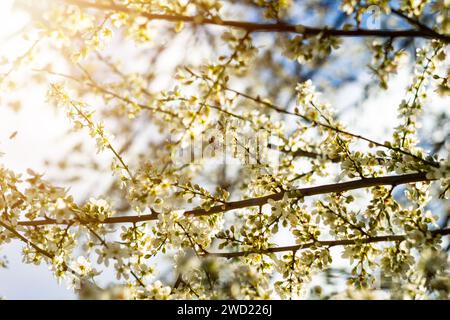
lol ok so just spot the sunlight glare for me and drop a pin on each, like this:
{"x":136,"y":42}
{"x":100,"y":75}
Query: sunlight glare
{"x":6,"y":17}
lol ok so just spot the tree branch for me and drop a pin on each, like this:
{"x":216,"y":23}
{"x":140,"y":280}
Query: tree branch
{"x":265,"y":27}
{"x":272,"y":106}
{"x":297,"y":193}
{"x":325,"y":243}
{"x":413,"y":22}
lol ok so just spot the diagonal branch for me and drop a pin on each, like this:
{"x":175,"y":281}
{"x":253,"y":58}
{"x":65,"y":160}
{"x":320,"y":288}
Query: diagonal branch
{"x":279,"y":109}
{"x":228,"y":206}
{"x":413,"y":21}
